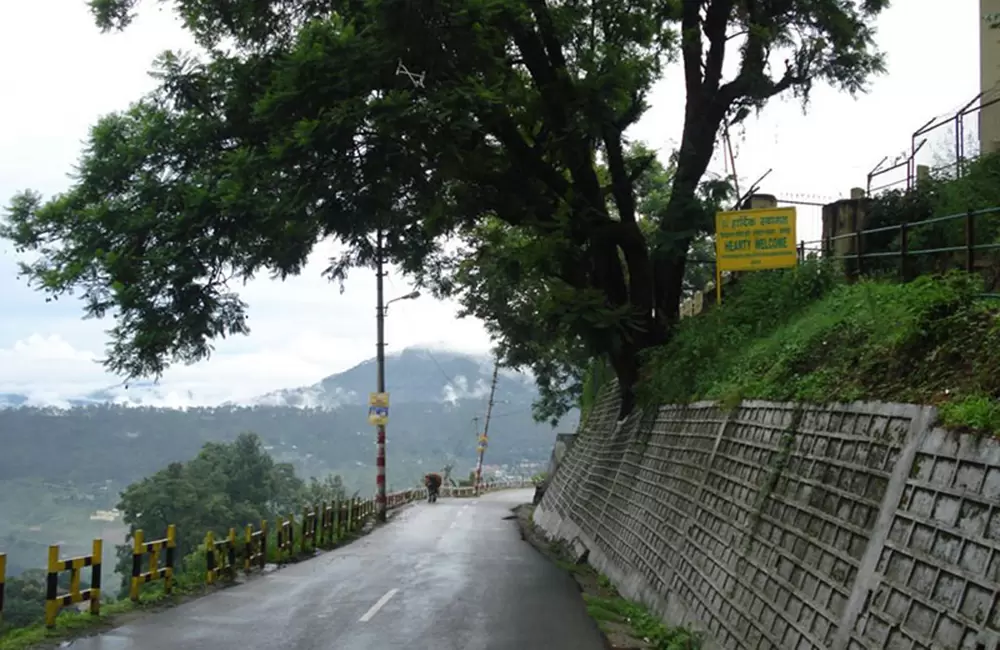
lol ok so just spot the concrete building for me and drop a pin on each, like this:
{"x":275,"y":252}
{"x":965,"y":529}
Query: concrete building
{"x":989,"y":74}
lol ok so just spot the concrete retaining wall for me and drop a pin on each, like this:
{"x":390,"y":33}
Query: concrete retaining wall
{"x":564,"y":441}
{"x":785,"y":526}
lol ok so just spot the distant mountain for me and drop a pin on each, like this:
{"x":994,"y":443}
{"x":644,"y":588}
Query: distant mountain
{"x":8,"y":400}
{"x":413,"y":375}
{"x":416,"y":374}
{"x":140,"y":393}
{"x":122,"y":434}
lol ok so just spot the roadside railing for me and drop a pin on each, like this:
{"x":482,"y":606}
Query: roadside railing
{"x":323,"y":526}
{"x":220,"y":557}
{"x":54,"y":601}
{"x":255,"y":547}
{"x":142,"y":549}
{"x":912,"y":248}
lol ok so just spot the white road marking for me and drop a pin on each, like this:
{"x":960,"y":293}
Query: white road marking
{"x":378,"y":605}
{"x":216,"y":620}
{"x":453,"y":524}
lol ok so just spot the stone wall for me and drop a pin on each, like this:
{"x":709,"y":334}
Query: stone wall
{"x":787,"y":526}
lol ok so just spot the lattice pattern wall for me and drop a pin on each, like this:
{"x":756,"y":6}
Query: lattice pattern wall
{"x":778,"y":526}
{"x":939,"y":570}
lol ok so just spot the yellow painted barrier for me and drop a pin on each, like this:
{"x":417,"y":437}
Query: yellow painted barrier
{"x":286,"y":538}
{"x":54,"y":601}
{"x":309,"y":528}
{"x":141,"y":548}
{"x":327,"y":525}
{"x":256,"y":547}
{"x":322,"y":525}
{"x":220,"y":556}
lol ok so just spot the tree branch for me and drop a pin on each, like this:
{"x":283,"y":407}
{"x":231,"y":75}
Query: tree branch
{"x":621,"y":184}
{"x":691,"y":48}
{"x":716,"y":22}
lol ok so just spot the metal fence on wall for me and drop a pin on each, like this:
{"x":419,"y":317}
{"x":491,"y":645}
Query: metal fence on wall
{"x":944,"y":144}
{"x":965,"y":240}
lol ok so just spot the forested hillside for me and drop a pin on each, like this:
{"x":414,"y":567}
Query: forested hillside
{"x":121,"y":444}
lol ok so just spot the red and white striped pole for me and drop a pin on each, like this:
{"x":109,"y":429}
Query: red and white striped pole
{"x":380,"y":503}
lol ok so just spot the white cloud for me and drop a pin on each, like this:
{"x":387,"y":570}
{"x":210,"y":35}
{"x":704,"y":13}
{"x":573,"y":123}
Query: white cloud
{"x":304,"y":329}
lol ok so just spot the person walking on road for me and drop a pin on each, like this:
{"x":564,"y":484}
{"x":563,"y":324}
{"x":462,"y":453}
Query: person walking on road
{"x":432,"y":482}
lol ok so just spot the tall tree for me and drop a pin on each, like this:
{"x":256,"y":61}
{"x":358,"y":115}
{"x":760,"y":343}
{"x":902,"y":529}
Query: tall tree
{"x":509,"y":279}
{"x":225,"y":485}
{"x":330,"y":118}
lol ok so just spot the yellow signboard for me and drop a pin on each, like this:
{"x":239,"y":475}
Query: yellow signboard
{"x":755,"y":240}
{"x":378,"y":409}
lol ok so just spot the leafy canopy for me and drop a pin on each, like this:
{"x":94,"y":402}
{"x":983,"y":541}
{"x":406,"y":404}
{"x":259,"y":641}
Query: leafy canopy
{"x":225,"y":485}
{"x":300,"y":122}
{"x":509,"y":280}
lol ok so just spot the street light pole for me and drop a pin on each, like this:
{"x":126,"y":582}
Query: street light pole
{"x":381,"y":308}
{"x":380,"y":498}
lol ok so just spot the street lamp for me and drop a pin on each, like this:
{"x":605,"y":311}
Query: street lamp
{"x":410,"y":296}
{"x":380,"y":309}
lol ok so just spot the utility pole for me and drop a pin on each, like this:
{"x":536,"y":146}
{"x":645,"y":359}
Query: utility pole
{"x":486,"y":429}
{"x":381,"y":308}
{"x":380,"y":499}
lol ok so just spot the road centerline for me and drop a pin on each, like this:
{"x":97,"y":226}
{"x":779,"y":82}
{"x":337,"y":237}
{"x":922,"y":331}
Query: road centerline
{"x":379,"y":604}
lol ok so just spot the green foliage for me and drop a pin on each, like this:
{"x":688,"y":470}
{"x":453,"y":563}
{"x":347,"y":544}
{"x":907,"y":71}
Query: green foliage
{"x":539,"y":478}
{"x":703,"y":349}
{"x":512,"y":281}
{"x":226,"y":485}
{"x":644,"y":624}
{"x":977,"y":412}
{"x":928,"y":341}
{"x":299,"y":129}
{"x":597,"y":376}
{"x":124,"y":444}
{"x":978,"y":189}
{"x":24,"y":599}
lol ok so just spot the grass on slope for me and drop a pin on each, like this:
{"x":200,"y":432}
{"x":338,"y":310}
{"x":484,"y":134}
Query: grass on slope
{"x":803,"y":334}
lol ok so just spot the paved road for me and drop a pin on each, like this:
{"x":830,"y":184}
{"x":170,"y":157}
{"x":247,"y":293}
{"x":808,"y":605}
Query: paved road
{"x":453,"y":575}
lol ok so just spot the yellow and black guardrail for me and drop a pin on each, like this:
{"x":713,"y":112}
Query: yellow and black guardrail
{"x":142,"y":549}
{"x":310,"y":526}
{"x":220,"y":557}
{"x":323,"y":525}
{"x":255,"y":547}
{"x":286,"y":539}
{"x":329,"y":524}
{"x":54,"y":601}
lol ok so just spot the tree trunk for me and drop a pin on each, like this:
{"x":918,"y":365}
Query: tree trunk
{"x":625,"y":362}
{"x":635,"y":291}
{"x":683,"y":212}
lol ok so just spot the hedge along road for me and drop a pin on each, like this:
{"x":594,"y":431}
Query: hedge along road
{"x":453,"y":575}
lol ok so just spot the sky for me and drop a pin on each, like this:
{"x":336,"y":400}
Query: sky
{"x":60,"y":74}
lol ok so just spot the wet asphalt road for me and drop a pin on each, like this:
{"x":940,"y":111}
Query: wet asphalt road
{"x":453,"y":575}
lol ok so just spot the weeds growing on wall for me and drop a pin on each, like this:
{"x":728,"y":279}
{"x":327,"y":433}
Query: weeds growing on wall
{"x":804,"y":335}
{"x":644,"y":624}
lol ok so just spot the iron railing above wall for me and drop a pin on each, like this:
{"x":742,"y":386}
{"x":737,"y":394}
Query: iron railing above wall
{"x":870,"y":250}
